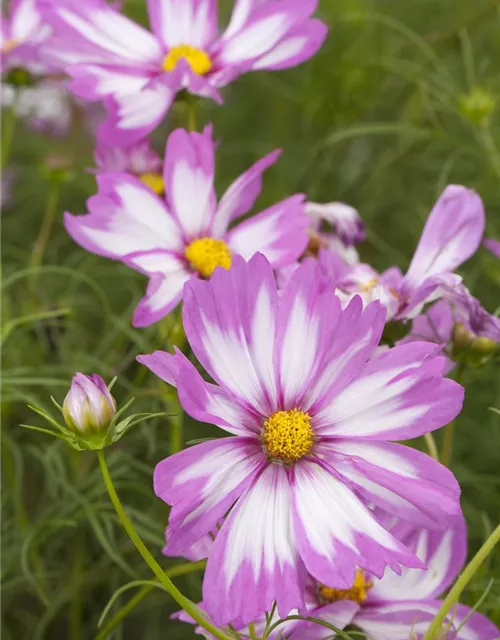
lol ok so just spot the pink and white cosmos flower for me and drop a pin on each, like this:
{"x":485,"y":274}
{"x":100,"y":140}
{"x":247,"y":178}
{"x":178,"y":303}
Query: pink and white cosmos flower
{"x":312,"y":414}
{"x":395,"y":607}
{"x":24,"y":34}
{"x":139,"y":73}
{"x":186,"y":234}
{"x":452,"y":234}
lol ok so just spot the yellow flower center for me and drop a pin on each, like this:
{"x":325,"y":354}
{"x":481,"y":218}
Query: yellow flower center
{"x":357,"y":593}
{"x":288,"y":435}
{"x":368,"y":285}
{"x":154,"y":181}
{"x":205,"y":254}
{"x":8,"y":45}
{"x":197,"y":59}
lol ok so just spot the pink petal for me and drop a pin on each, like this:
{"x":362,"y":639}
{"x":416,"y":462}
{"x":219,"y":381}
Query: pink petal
{"x":163,"y":294}
{"x":279,"y":233}
{"x":189,"y":178}
{"x":443,"y":553}
{"x":202,"y":483}
{"x":177,"y":22}
{"x":451,"y":234}
{"x":493,"y":246}
{"x":338,"y":614}
{"x":402,"y":481}
{"x":240,"y":197}
{"x":396,"y":397}
{"x":336,"y":533}
{"x":254,"y":560}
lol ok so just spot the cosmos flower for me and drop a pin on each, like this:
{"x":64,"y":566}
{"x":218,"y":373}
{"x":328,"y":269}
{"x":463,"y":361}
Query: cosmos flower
{"x":24,"y":36}
{"x":138,"y":159}
{"x":186,"y":234}
{"x":312,"y":413}
{"x":344,"y":220}
{"x":393,"y":607}
{"x":139,"y":73}
{"x":451,"y":235}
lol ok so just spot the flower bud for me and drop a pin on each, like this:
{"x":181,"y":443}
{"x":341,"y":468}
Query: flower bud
{"x":461,"y":336}
{"x":89,"y":407}
{"x":484,"y":345}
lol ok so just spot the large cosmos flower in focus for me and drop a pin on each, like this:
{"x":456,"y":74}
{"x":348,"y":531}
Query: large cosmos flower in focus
{"x":185,"y":234}
{"x":312,"y":412}
{"x":139,"y":73}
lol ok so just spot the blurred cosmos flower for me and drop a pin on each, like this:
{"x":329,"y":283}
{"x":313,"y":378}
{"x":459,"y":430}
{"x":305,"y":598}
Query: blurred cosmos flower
{"x":8,"y":177}
{"x":451,"y":236}
{"x":24,"y":37}
{"x":138,"y":159}
{"x":493,"y":246}
{"x":46,"y":106}
{"x":344,"y":220}
{"x":393,"y":607}
{"x":186,"y":235}
{"x":88,"y":407}
{"x":139,"y":73}
{"x":311,"y":411}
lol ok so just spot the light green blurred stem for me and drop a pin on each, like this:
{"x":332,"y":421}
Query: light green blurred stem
{"x":462,"y":581}
{"x":490,"y":147}
{"x":186,"y":604}
{"x":43,"y":237}
{"x":191,"y":107}
{"x":8,"y":127}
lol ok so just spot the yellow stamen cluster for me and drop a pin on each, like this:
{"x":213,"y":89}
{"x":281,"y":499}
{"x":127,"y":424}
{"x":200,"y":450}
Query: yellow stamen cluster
{"x":288,"y":435}
{"x":8,"y":45}
{"x":368,"y":285}
{"x":205,"y":254}
{"x":197,"y":59}
{"x":357,"y":593}
{"x":154,"y":181}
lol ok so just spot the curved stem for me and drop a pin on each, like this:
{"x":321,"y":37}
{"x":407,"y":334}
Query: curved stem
{"x":431,"y":445}
{"x":8,"y":126}
{"x":449,"y":430}
{"x":186,"y":604}
{"x":462,"y":581}
{"x":43,"y":236}
{"x":123,"y":612}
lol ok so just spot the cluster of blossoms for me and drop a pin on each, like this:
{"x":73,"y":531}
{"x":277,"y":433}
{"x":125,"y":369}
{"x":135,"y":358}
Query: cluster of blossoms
{"x":308,"y":507}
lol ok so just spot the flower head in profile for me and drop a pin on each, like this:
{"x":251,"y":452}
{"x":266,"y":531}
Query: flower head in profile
{"x":88,"y":407}
{"x":344,"y":220}
{"x":452,"y":234}
{"x":399,"y":607}
{"x":312,"y":412}
{"x":186,"y":234}
{"x":139,"y":159}
{"x":139,"y":73}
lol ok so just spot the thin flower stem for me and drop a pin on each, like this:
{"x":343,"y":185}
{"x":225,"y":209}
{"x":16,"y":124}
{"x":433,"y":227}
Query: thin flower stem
{"x":191,"y":108}
{"x":186,"y":604}
{"x":462,"y":581}
{"x":8,"y":127}
{"x":43,"y":237}
{"x":124,"y":612}
{"x":431,"y":445}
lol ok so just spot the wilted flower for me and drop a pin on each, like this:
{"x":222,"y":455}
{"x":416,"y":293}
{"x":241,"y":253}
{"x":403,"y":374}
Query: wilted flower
{"x":185,"y":235}
{"x":139,"y":73}
{"x":344,"y":220}
{"x":88,"y":407}
{"x":395,"y":607}
{"x":312,"y":411}
{"x":138,"y":159}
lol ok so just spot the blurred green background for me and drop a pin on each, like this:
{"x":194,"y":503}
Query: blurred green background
{"x":401,"y":100}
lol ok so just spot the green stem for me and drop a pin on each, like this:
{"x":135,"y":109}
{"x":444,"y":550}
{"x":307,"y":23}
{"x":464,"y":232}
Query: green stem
{"x":124,"y":612}
{"x":191,"y":107}
{"x":8,"y":127}
{"x":462,"y":581}
{"x":186,"y":604}
{"x":48,"y":220}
